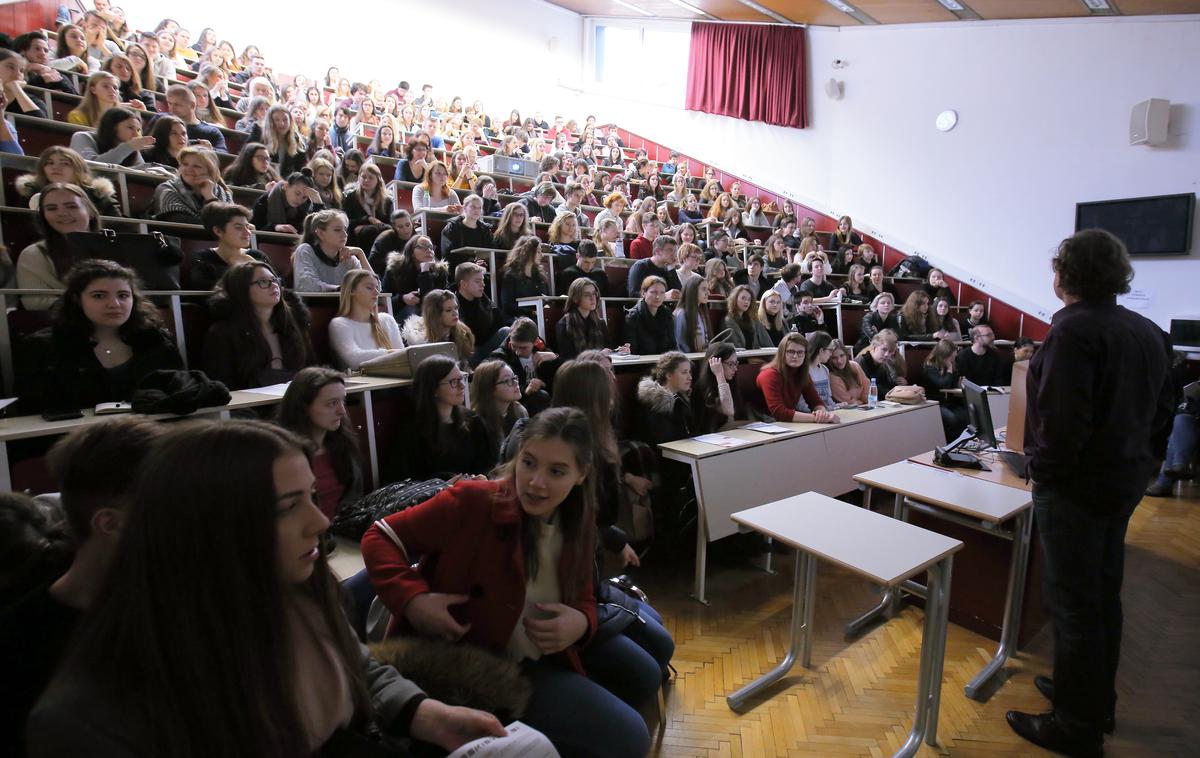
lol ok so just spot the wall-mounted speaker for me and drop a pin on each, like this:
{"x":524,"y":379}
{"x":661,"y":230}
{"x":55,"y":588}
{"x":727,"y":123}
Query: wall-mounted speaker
{"x":1148,"y":122}
{"x":833,"y":88}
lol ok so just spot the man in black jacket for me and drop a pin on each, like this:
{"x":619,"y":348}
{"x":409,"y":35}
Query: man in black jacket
{"x":586,"y":266}
{"x":981,"y":362}
{"x":1100,"y":405}
{"x":476,"y":310}
{"x":659,"y":264}
{"x":38,"y":73}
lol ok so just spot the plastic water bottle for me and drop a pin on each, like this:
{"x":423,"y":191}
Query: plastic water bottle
{"x":873,"y":395}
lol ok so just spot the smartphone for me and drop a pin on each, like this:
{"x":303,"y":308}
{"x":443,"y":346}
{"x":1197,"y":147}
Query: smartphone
{"x":63,"y":415}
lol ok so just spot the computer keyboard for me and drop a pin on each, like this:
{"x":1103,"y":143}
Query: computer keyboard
{"x":1015,"y":462}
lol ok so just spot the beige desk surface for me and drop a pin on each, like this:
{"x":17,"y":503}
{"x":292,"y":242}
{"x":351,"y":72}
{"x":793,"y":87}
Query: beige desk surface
{"x":23,"y":427}
{"x":691,"y":449}
{"x":999,"y":473}
{"x":619,"y":362}
{"x":950,"y":490}
{"x":883,"y":549}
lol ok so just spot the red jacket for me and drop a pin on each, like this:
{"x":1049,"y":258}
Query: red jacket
{"x":780,"y":403}
{"x":468,"y":541}
{"x":641,"y":248}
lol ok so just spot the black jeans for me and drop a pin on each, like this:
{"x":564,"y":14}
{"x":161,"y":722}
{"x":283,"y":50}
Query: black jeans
{"x":1083,"y":544}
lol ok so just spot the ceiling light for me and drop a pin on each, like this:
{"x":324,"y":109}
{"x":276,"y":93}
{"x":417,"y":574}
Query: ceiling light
{"x":841,"y":6}
{"x":852,"y":12}
{"x":951,"y":5}
{"x":960,"y":10}
{"x":1097,"y":5}
{"x":767,"y":12}
{"x":633,"y":7}
{"x":688,"y":7}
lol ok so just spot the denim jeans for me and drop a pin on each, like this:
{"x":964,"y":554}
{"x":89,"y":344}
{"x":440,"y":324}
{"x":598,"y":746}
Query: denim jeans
{"x":1181,"y":448}
{"x":631,"y":664}
{"x":580,"y":717}
{"x":1084,"y":552}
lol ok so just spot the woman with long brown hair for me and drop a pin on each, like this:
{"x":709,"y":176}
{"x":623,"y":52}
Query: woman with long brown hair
{"x":785,"y":381}
{"x":522,"y":276}
{"x":439,"y":322}
{"x":580,"y":327}
{"x":496,"y":397}
{"x":915,"y":321}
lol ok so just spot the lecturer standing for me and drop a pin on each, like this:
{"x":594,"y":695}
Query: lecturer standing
{"x":1100,"y":405}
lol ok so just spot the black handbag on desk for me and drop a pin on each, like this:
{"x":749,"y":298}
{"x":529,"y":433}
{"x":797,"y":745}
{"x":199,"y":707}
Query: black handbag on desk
{"x":155,"y":257}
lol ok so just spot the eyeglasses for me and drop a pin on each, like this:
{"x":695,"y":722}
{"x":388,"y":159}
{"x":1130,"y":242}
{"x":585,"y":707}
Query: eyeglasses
{"x":266,"y":284}
{"x":794,"y":353}
{"x":511,"y":381}
{"x":732,"y":363}
{"x":457,"y":384}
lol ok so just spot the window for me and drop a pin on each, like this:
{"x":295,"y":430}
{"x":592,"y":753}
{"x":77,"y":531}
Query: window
{"x":646,"y":62}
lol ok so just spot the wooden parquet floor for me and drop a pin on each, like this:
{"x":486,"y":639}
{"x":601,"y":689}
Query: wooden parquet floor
{"x":858,"y":698}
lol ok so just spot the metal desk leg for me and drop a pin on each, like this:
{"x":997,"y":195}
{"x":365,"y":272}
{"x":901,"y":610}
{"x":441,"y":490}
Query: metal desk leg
{"x":701,"y":538}
{"x":369,"y":407}
{"x":810,"y":585}
{"x":933,"y":650}
{"x":1011,"y":630}
{"x":5,"y":474}
{"x":801,"y":614}
{"x":889,"y":604}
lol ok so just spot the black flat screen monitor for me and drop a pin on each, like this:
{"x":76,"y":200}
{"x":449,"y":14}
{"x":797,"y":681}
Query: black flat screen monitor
{"x":980,"y":413}
{"x":1159,"y":225}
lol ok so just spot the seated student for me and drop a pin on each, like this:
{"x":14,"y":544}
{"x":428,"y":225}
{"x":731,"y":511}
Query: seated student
{"x":845,"y":236}
{"x":485,"y":187}
{"x":283,"y":140}
{"x":259,"y":333}
{"x":413,"y":274}
{"x":522,"y":276}
{"x":325,"y":179}
{"x":37,"y":548}
{"x":62,"y":164}
{"x":940,"y":373}
{"x":417,"y":161}
{"x":496,"y":397}
{"x":314,"y":409}
{"x":181,"y":102}
{"x":1181,"y":447}
{"x":686,"y":234}
{"x":102,"y":92}
{"x":665,"y":412}
{"x":614,"y":205}
{"x":467,"y":229}
{"x":586,"y":267}
{"x":438,"y":321}
{"x":715,"y":397}
{"x":252,"y":168}
{"x":581,"y":327}
{"x":776,"y":252}
{"x":366,"y":204}
{"x":170,"y":138}
{"x":865,"y":256}
{"x":1023,"y":349}
{"x":746,"y":331}
{"x":690,"y":318}
{"x":105,"y":337}
{"x":752,"y":276}
{"x":658,"y":264}
{"x":754,"y":216}
{"x":690,"y":212}
{"x":461,"y":534}
{"x":384,"y":143}
{"x":285,"y":207}
{"x":96,"y":30}
{"x":648,"y":325}
{"x":982,"y":363}
{"x":935,"y":286}
{"x":563,"y":236}
{"x":786,"y":381}
{"x":716,"y":275}
{"x":70,"y":51}
{"x":102,"y":700}
{"x":847,"y":382}
{"x":786,"y":288}
{"x":975,"y":317}
{"x":880,"y":316}
{"x":477,"y":311}
{"x":643,"y":246}
{"x":944,"y":325}
{"x":819,"y":352}
{"x":434,"y":193}
{"x":12,"y":81}
{"x":39,"y":69}
{"x":769,"y":315}
{"x":129,"y":88}
{"x":857,"y":290}
{"x":64,"y":208}
{"x":916,"y":323}
{"x":690,"y":260}
{"x":810,"y":317}
{"x":230,"y":224}
{"x":252,"y":121}
{"x":118,"y":139}
{"x":321,"y":261}
{"x":351,"y":163}
{"x":360,"y":331}
{"x":95,"y":468}
{"x":822,"y":290}
{"x":447,"y":440}
{"x":391,"y":240}
{"x":538,"y":203}
{"x":513,"y":225}
{"x":199,"y":182}
{"x":878,"y":285}
{"x":521,"y":350}
{"x":878,"y":361}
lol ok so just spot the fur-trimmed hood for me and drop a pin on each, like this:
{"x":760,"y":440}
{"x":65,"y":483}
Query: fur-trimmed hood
{"x":413,"y":331}
{"x":29,"y":185}
{"x":656,"y":398}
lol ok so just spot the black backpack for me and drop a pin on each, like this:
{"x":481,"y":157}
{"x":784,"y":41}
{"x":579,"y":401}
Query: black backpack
{"x":353,"y":520}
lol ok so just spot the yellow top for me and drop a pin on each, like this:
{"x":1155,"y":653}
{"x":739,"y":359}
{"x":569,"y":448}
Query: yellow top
{"x":76,"y":117}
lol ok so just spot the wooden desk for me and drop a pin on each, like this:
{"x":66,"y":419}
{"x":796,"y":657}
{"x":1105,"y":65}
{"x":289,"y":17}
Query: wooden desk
{"x":28,"y":427}
{"x":875,"y":547}
{"x":999,"y":473}
{"x":976,"y":504}
{"x":819,"y":457}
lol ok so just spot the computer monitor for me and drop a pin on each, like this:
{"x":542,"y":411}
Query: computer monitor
{"x":980,"y":413}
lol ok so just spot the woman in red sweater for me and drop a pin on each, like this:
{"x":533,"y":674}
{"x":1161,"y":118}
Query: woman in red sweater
{"x":506,"y":565}
{"x":786,"y":381}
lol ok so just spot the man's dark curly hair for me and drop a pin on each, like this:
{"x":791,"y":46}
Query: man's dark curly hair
{"x":1093,"y":265}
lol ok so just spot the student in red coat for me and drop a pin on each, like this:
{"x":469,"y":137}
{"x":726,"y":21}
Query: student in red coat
{"x":785,"y":381}
{"x":484,"y":576}
{"x":643,"y":245}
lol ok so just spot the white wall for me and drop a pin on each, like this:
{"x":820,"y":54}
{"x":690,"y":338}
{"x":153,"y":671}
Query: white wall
{"x":1044,"y":115}
{"x":492,"y":51}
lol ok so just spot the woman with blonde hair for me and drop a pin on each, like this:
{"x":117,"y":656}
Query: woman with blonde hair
{"x":62,"y":164}
{"x":367,"y":206}
{"x":746,"y":332}
{"x":564,"y":234}
{"x":324,"y":177}
{"x":771,"y":316}
{"x":199,"y":182}
{"x":360,"y":332}
{"x":614,"y":205}
{"x":283,"y":140}
{"x":103,"y":91}
{"x":439,"y":322}
{"x":608,"y":239}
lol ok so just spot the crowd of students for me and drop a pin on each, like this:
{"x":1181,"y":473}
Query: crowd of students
{"x":542,"y":464}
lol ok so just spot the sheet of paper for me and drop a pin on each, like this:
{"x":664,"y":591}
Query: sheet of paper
{"x":274,"y":390}
{"x":523,"y":741}
{"x":720,"y":440}
{"x":6,"y":401}
{"x":766,"y":428}
{"x":618,"y":357}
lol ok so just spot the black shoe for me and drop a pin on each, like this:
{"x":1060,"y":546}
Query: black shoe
{"x":1045,"y":731}
{"x":1045,"y":685}
{"x":1161,"y":488}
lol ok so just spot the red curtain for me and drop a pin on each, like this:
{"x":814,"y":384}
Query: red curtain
{"x":748,"y":71}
